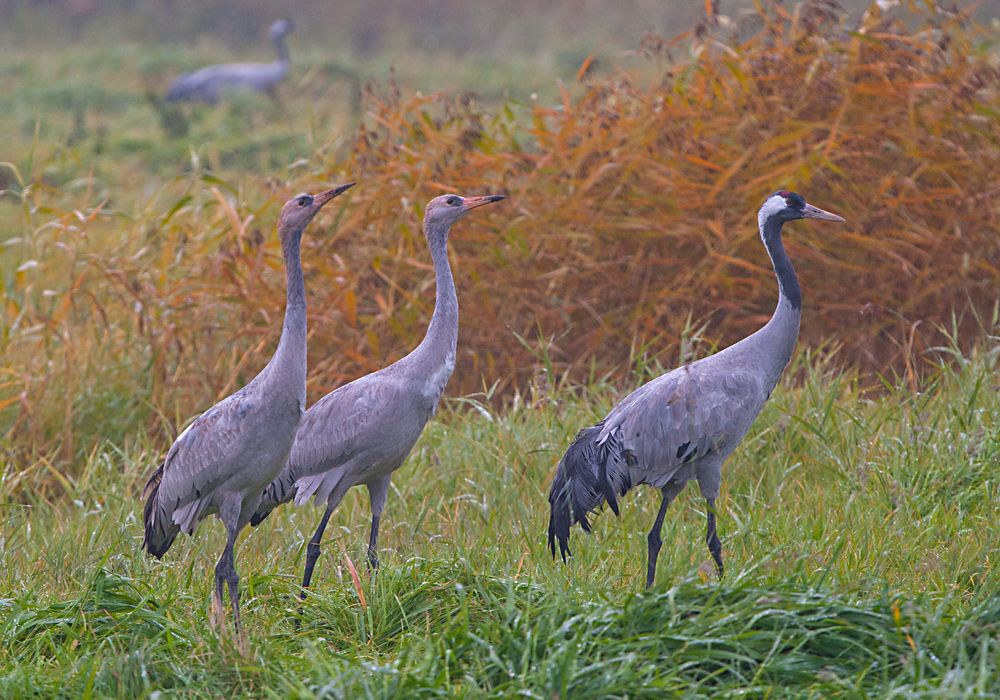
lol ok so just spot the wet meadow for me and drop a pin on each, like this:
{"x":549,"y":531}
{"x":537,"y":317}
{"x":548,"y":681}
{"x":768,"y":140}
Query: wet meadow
{"x":141,"y":281}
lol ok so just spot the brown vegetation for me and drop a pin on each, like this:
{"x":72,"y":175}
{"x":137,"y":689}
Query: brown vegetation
{"x":632,"y":207}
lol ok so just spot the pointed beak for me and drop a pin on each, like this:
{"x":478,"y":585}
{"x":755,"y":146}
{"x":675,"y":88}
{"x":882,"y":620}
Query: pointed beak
{"x":324,"y":197}
{"x":811,"y":212}
{"x":473,"y":202}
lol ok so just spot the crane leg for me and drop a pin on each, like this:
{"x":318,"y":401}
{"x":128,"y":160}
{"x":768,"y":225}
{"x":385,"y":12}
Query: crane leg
{"x":377,"y":492}
{"x":312,"y":550}
{"x":669,"y":492}
{"x":225,"y":570}
{"x":653,"y":540}
{"x":218,"y":615}
{"x":712,"y":539}
{"x":373,"y":545}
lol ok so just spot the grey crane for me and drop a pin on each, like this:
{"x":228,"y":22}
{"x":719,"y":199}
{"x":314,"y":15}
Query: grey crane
{"x":208,"y":83}
{"x":221,"y":463}
{"x":362,"y":432}
{"x":684,"y":424}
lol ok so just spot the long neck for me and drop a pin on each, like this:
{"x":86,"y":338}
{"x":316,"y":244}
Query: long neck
{"x":442,"y":333}
{"x":282,"y":49}
{"x":788,"y":282}
{"x":776,"y":340}
{"x":289,"y":361}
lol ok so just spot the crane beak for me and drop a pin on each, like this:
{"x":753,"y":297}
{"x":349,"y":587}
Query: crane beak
{"x":811,"y":212}
{"x":323,"y":197}
{"x":473,"y":202}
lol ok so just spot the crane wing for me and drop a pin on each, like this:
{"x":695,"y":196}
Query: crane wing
{"x":343,"y":423}
{"x":687,"y":414}
{"x":333,"y":430}
{"x":196,"y":462}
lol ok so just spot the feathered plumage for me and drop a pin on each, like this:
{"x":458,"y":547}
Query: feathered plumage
{"x":207,"y":84}
{"x":362,"y":432}
{"x":684,"y":424}
{"x":158,"y":533}
{"x":223,"y":461}
{"x":588,"y":475}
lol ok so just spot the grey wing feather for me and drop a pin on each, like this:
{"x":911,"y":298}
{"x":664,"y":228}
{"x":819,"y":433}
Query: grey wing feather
{"x":343,"y":423}
{"x":206,"y":83}
{"x":684,"y":415}
{"x":194,"y":465}
{"x":333,"y":430}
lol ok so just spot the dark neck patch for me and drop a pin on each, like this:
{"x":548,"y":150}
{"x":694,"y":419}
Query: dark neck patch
{"x":788,"y":281}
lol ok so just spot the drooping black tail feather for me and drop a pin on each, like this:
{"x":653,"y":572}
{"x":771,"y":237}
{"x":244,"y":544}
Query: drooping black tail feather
{"x":158,"y":535}
{"x":260,"y":515}
{"x":588,"y":475}
{"x":279,"y":491}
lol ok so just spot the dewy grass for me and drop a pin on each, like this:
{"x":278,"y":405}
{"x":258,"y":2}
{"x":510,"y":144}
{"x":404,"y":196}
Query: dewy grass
{"x":859,"y":530}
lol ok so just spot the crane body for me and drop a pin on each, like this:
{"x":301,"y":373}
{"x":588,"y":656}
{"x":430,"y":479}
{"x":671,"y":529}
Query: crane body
{"x":207,"y":84}
{"x":221,"y":463}
{"x":363,"y":431}
{"x":684,"y":424}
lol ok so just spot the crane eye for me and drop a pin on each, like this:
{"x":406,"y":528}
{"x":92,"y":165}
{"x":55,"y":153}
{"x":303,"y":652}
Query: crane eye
{"x":794,"y":201}
{"x":452,"y":201}
{"x":303,"y":201}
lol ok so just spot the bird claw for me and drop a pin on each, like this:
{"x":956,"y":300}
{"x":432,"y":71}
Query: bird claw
{"x":216,"y":616}
{"x":242,"y":645}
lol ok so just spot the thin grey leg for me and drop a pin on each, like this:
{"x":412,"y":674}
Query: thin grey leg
{"x":653,"y":540}
{"x":312,"y":550}
{"x":225,"y":570}
{"x":377,"y":493}
{"x":712,"y":539}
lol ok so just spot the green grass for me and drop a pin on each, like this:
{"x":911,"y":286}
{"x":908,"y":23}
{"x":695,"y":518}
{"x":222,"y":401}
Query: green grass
{"x":85,"y":115}
{"x":859,"y":530}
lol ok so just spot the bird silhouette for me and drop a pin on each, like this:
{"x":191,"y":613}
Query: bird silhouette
{"x":207,"y":84}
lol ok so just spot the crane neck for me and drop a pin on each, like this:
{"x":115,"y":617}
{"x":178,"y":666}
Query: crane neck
{"x":289,"y":361}
{"x":788,"y":282}
{"x":442,"y":333}
{"x":770,"y":348}
{"x":282,"y":49}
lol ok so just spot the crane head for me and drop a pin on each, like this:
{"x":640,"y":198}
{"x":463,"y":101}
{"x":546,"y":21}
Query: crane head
{"x":449,"y":208}
{"x":789,"y":206}
{"x":298,"y":211}
{"x":281,"y":28}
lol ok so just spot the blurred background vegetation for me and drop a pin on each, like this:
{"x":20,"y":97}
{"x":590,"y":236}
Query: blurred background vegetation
{"x":141,"y":279}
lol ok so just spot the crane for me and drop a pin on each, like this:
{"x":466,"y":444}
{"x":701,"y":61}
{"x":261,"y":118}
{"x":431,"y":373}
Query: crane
{"x":684,"y":424}
{"x":363,"y":431}
{"x":221,"y":463}
{"x":206,"y":84}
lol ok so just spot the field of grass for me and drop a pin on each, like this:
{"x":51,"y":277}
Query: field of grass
{"x":858,"y":527}
{"x":140,"y":281}
{"x":85,"y":102}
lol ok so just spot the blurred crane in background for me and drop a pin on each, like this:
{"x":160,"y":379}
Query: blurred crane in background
{"x":207,"y":84}
{"x":361,"y":432}
{"x":224,"y":459}
{"x":685,"y":424}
